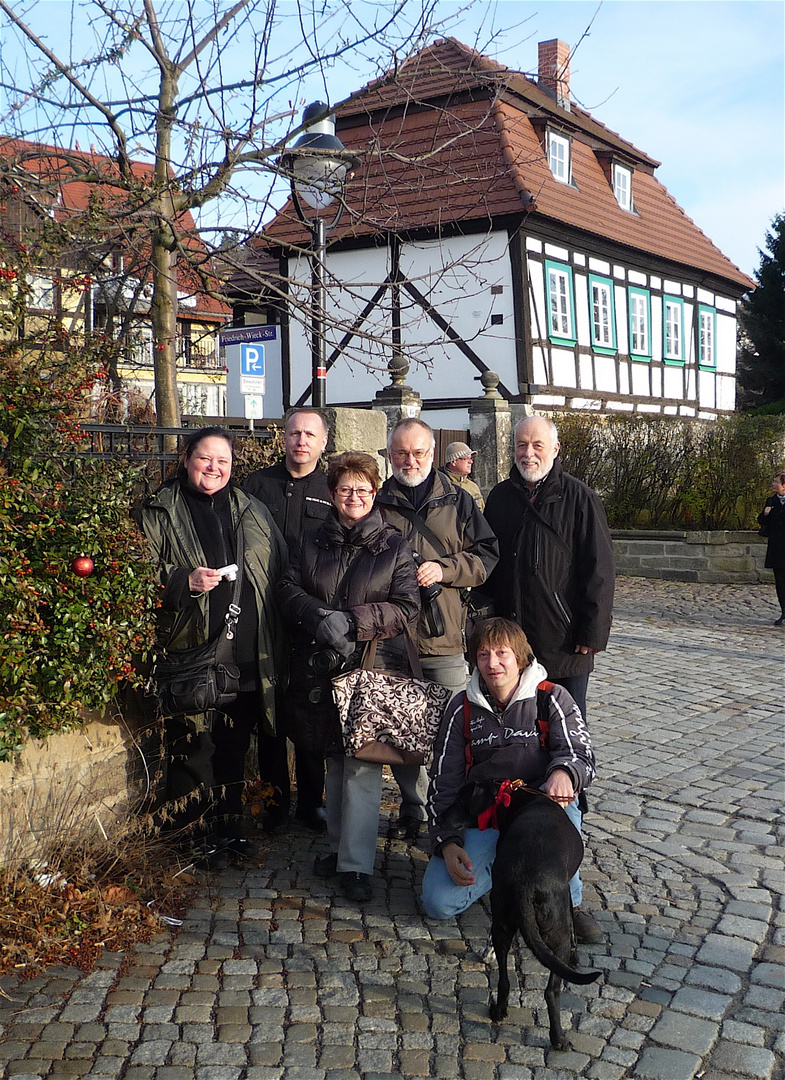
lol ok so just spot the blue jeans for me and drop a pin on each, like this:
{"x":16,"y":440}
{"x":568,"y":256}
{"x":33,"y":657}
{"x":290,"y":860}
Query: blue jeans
{"x":443,"y":899}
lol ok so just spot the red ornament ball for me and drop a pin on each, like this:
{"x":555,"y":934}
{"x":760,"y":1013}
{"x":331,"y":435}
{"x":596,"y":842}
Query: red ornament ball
{"x":83,"y":566}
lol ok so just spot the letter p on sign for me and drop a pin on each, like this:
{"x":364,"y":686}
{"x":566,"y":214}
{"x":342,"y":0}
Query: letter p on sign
{"x":252,"y":360}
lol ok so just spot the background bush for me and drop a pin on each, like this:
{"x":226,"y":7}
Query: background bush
{"x":67,"y":642}
{"x":675,"y":473}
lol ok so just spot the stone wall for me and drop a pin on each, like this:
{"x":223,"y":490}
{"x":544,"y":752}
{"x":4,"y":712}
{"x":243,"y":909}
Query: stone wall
{"x":72,"y":786}
{"x":731,"y":557}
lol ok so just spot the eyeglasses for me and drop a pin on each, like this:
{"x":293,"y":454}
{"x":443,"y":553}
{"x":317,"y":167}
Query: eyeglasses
{"x":360,"y":492}
{"x":418,"y":455}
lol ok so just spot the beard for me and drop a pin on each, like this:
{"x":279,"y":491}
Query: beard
{"x":532,"y":474}
{"x":411,"y":477}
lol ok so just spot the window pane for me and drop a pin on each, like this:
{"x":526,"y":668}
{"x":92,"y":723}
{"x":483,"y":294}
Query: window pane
{"x":559,"y":157}
{"x":707,"y":338}
{"x":559,"y":301}
{"x":673,"y":331}
{"x":622,"y":178}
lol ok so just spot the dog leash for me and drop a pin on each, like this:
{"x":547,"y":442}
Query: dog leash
{"x":488,"y":819}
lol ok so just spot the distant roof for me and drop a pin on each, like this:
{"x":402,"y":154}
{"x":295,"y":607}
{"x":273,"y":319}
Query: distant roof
{"x":453,"y":139}
{"x":66,"y":188}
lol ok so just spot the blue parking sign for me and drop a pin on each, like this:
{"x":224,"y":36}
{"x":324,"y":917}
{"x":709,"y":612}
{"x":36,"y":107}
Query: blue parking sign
{"x":252,"y":359}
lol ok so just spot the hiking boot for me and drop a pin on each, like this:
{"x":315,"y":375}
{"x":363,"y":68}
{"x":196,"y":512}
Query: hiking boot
{"x":314,"y":819}
{"x":276,"y":822}
{"x":326,"y":865}
{"x":405,"y":828}
{"x":356,"y":886}
{"x":238,"y":847}
{"x":208,"y":854}
{"x":586,"y":929}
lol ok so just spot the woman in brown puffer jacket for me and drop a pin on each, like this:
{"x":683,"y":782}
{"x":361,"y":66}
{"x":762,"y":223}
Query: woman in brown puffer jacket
{"x":352,"y":581}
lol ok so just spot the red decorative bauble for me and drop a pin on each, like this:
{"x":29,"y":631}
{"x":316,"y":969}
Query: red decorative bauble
{"x":83,"y":566}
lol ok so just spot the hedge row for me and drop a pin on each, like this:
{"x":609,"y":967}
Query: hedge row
{"x":676,"y":473}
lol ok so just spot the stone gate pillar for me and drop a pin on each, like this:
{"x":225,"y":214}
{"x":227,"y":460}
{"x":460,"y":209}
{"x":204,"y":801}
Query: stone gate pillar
{"x":489,"y":426}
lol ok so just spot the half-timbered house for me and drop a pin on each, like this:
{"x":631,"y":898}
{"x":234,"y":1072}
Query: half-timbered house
{"x":494,"y":224}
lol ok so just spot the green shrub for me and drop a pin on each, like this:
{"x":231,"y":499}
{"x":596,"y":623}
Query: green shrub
{"x":68,"y":641}
{"x":674,"y":472}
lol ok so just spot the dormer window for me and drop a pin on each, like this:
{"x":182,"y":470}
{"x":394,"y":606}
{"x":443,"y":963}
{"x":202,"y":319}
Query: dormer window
{"x":622,"y":186}
{"x":559,"y":156}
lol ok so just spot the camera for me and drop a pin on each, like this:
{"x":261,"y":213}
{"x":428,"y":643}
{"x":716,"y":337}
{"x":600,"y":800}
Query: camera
{"x":429,"y":595}
{"x":325,"y":661}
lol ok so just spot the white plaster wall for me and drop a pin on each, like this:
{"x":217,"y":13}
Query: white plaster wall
{"x":563,"y":364}
{"x":586,"y":380}
{"x":538,"y":309}
{"x":622,"y":329}
{"x":540,"y":366}
{"x":605,"y":368}
{"x":656,"y":327}
{"x":656,"y":382}
{"x":706,"y":389}
{"x":673,"y":382}
{"x":726,"y":392}
{"x":726,"y":343}
{"x":582,"y":309}
{"x":457,"y":275}
{"x":640,"y":379}
{"x":353,"y":277}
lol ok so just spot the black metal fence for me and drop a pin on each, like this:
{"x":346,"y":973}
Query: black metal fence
{"x":157,"y":450}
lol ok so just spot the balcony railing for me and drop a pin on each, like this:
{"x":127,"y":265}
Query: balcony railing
{"x":191,"y":354}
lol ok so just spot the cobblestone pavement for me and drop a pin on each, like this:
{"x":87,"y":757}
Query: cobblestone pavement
{"x":273,"y":975}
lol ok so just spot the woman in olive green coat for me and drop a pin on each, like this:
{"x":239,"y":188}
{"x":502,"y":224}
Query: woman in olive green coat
{"x":192,"y":524}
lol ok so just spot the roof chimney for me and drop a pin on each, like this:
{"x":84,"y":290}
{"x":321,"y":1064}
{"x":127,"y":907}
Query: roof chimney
{"x":554,"y":70}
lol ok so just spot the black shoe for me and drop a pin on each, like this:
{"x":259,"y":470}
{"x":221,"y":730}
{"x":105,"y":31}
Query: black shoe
{"x":237,"y":847}
{"x":326,"y":865}
{"x":276,"y":824}
{"x":315,"y":820}
{"x":780,"y":621}
{"x":356,"y":886}
{"x":587,"y":931}
{"x":209,"y":854}
{"x":405,"y":828}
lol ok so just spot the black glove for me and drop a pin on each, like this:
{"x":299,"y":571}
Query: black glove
{"x":338,"y":631}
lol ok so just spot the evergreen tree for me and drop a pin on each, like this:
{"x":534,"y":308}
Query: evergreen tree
{"x":761,"y":364}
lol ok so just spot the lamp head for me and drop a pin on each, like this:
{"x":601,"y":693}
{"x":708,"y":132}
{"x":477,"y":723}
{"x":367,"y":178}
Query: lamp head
{"x":319,"y":163}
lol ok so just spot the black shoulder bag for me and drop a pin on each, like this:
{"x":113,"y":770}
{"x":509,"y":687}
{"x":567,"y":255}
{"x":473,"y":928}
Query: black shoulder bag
{"x":206,"y":677}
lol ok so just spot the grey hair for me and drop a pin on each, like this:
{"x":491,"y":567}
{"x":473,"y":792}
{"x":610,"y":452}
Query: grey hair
{"x":405,"y":425}
{"x":551,"y":426}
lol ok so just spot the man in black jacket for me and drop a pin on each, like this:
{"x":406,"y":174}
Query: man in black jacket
{"x":555,"y":575}
{"x":295,"y":492}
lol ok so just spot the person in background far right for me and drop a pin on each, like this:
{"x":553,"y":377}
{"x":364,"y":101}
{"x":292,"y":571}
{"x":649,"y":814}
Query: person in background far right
{"x":772,"y":525}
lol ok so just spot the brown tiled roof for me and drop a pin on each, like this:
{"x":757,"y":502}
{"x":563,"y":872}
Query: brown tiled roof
{"x":453,"y":139}
{"x":68,"y":197}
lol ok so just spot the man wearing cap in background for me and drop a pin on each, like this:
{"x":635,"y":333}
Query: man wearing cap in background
{"x":458,"y":463}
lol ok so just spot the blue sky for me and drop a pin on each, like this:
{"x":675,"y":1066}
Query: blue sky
{"x":696,"y":84}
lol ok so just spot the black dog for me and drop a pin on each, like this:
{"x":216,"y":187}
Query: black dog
{"x":538,"y":852}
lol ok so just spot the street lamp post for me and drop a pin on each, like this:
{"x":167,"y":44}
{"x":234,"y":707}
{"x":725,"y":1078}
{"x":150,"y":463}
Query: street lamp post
{"x":318,"y":166}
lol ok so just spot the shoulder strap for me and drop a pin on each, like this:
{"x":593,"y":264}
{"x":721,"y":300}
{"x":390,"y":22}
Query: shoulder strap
{"x":532,"y":509}
{"x":225,"y":648}
{"x":544,"y":691}
{"x":418,"y":523}
{"x":369,"y":655}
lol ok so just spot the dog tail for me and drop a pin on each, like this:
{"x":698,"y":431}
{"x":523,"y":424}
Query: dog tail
{"x":530,"y":933}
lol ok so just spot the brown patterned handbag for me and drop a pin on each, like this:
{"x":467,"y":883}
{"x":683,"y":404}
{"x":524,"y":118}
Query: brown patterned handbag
{"x":388,"y":717}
